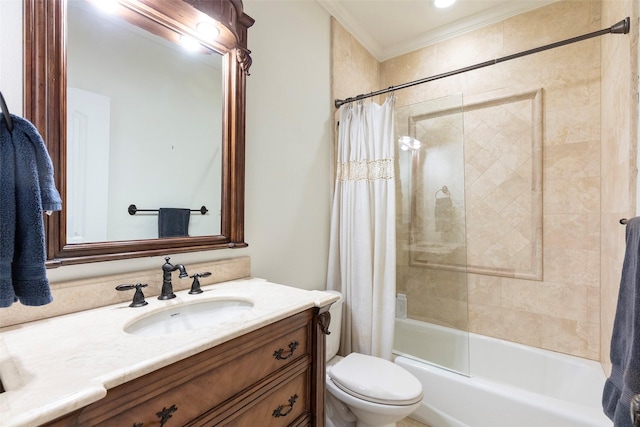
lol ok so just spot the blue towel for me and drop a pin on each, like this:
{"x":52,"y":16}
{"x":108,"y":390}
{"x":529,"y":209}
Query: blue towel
{"x":26,"y":190}
{"x":624,"y":381}
{"x":173,"y":222}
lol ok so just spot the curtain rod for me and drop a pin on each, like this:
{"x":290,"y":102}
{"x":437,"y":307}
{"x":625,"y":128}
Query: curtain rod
{"x":621,"y":27}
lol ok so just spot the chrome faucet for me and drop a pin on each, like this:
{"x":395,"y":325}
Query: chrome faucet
{"x":167,"y":287}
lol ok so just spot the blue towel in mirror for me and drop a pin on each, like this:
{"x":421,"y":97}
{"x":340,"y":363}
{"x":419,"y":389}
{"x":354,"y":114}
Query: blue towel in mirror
{"x":173,"y":222}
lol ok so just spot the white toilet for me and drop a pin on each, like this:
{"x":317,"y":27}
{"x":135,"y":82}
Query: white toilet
{"x":365,"y":391}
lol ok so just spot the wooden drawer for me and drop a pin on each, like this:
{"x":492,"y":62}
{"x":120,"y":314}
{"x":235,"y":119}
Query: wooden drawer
{"x":287,"y":405}
{"x":206,"y":380}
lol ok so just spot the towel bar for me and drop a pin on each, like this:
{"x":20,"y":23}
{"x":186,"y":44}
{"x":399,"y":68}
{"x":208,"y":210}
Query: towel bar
{"x":132,"y":209}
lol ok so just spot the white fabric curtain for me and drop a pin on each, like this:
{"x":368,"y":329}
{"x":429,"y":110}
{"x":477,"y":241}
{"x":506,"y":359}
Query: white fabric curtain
{"x":362,"y":249}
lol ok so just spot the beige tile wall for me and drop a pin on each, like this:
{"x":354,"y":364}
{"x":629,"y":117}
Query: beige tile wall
{"x":353,"y":69}
{"x":618,"y":152}
{"x":562,"y":311}
{"x":84,"y":294}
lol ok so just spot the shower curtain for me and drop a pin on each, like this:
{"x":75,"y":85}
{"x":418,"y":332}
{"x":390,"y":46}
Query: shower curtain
{"x":362,"y":254}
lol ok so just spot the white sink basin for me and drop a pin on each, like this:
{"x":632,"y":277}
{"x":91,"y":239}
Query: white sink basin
{"x":190,"y":316}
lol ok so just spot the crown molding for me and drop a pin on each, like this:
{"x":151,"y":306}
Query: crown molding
{"x":427,"y":38}
{"x":352,"y":25}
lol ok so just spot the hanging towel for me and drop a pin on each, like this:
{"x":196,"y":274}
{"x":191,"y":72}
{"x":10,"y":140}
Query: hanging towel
{"x":27,"y":189}
{"x":443,"y":213}
{"x":173,"y":222}
{"x":624,"y":381}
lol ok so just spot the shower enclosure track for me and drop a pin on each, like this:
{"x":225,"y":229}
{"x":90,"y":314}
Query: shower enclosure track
{"x":621,"y":27}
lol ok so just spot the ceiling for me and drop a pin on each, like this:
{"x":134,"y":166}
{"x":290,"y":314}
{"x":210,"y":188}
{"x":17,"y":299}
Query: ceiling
{"x":388,"y":28}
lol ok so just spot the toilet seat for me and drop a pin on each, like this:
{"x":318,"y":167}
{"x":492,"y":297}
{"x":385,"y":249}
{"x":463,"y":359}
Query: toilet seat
{"x":375,"y":380}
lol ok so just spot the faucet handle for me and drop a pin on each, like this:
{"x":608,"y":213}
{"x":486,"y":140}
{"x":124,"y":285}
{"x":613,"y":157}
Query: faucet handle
{"x":138,"y":296}
{"x":195,"y":286}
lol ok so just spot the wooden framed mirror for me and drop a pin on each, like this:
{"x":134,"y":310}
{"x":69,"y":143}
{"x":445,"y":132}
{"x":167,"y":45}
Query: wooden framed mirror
{"x":48,"y":96}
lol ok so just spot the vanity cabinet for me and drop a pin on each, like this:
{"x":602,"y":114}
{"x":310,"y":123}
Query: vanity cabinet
{"x":273,"y":376}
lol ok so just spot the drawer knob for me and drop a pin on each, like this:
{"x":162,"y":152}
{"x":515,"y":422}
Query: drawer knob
{"x":278,"y":411}
{"x":292,"y":347}
{"x":166,"y":413}
{"x":163,"y":415}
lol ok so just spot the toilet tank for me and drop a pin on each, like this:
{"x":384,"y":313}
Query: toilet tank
{"x":333,"y":339}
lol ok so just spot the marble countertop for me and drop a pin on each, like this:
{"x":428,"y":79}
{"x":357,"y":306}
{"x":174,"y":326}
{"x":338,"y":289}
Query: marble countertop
{"x":54,"y":366}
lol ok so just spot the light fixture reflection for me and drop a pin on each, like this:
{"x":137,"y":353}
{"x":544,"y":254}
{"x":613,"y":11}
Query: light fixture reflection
{"x":106,"y":6}
{"x":409,"y":143}
{"x":441,"y":4}
{"x":189,"y":43}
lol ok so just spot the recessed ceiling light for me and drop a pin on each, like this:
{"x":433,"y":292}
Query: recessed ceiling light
{"x":441,"y":4}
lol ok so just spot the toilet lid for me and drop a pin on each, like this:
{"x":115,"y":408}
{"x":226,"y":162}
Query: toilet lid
{"x":376,"y":380}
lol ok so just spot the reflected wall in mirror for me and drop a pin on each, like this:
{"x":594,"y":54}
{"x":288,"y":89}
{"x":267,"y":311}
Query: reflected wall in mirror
{"x":111,"y":150}
{"x":158,"y":124}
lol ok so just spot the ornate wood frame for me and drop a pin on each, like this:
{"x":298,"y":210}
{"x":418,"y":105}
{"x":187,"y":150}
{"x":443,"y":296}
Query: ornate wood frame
{"x":45,"y":107}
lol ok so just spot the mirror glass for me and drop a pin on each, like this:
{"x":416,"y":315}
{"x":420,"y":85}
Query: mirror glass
{"x":140,"y":128}
{"x":144,"y":132}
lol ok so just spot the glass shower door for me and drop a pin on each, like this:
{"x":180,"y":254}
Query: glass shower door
{"x":431,"y":234}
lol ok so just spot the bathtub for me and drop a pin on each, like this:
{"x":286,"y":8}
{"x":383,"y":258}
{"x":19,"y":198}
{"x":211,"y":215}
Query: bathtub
{"x":508,"y":384}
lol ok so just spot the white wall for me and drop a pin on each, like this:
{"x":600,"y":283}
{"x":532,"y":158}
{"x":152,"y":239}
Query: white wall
{"x":288,"y":185}
{"x":289,"y":111}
